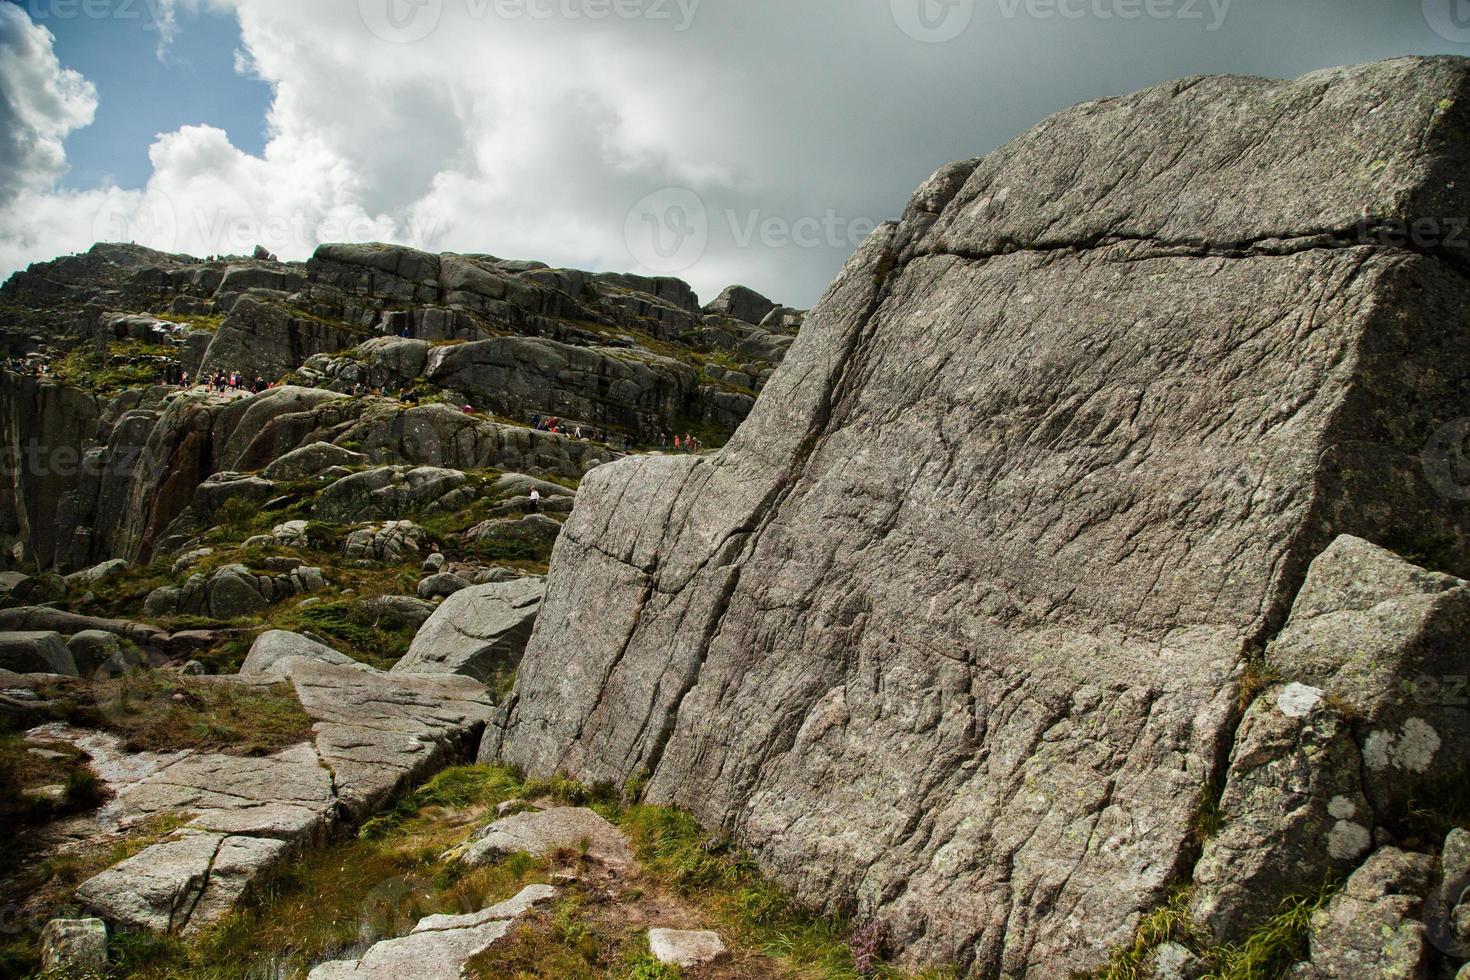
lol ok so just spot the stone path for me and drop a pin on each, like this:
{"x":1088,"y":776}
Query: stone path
{"x":440,"y":945}
{"x":375,"y":735}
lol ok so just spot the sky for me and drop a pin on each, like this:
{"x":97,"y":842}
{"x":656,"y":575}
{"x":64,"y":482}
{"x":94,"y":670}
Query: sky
{"x":721,"y":141}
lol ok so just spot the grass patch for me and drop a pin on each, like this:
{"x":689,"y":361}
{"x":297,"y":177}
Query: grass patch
{"x":1268,"y":953}
{"x":156,"y":711}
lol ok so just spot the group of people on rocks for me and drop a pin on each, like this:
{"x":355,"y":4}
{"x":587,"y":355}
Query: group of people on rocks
{"x":227,"y":382}
{"x":688,"y":443}
{"x":32,"y":366}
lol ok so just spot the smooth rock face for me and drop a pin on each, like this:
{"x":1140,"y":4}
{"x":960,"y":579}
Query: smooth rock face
{"x":480,"y":631}
{"x":948,"y":632}
{"x":183,"y":884}
{"x":374,"y":736}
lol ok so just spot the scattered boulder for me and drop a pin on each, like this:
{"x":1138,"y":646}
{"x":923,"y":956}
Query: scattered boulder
{"x":442,"y":584}
{"x":434,"y":562}
{"x":1372,"y":928}
{"x":530,"y":536}
{"x":685,"y":948}
{"x":1337,"y":747}
{"x":479,"y":631}
{"x":74,"y":947}
{"x":385,"y":493}
{"x":98,"y":573}
{"x":232,"y":591}
{"x":542,"y":832}
{"x":311,"y":460}
{"x":741,"y":303}
{"x":36,"y":653}
{"x":183,"y":884}
{"x":439,"y":946}
{"x":91,"y":649}
{"x":392,"y":542}
{"x":394,"y":611}
{"x":275,"y":646}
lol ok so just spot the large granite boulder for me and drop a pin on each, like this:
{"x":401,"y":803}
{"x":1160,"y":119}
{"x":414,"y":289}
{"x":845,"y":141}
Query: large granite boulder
{"x":273,"y":648}
{"x":480,"y":631}
{"x":741,"y":303}
{"x":950,"y":634}
{"x":36,"y":653}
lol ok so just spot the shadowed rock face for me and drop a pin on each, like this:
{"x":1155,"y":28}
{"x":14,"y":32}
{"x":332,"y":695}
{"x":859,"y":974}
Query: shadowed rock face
{"x":948,"y":634}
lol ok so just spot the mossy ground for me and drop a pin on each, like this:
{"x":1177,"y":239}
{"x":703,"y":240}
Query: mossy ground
{"x":161,"y":711}
{"x":379,"y":882}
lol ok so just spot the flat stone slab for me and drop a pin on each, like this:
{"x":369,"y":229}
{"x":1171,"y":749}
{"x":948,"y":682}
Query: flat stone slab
{"x":374,"y":736}
{"x":685,"y":947}
{"x":287,"y":796}
{"x":440,"y":946}
{"x":542,"y":832}
{"x":184,"y":883}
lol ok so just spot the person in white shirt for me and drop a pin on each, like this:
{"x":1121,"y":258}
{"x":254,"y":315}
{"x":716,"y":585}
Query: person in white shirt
{"x":535,"y":501}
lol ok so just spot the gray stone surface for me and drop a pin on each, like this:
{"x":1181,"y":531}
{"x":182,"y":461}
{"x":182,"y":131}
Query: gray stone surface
{"x":480,"y":631}
{"x":392,"y":542}
{"x":385,"y":493}
{"x":90,"y":649}
{"x":440,"y":946}
{"x":232,"y":591}
{"x":1359,"y":726}
{"x":310,"y":460}
{"x":1373,"y":928}
{"x":542,"y":832}
{"x":393,"y":611}
{"x":685,"y":948}
{"x":742,"y":303}
{"x":374,"y":737}
{"x":273,"y":647}
{"x":74,"y":947}
{"x":442,"y":584}
{"x":183,"y":884}
{"x":36,"y":653}
{"x":948,"y":634}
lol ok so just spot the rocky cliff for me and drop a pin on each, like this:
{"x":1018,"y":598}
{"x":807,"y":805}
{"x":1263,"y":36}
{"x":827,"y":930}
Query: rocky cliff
{"x":419,"y":359}
{"x":956,"y":632}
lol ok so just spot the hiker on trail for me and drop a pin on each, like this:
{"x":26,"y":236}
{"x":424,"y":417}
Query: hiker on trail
{"x":535,"y":501}
{"x":678,"y":443}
